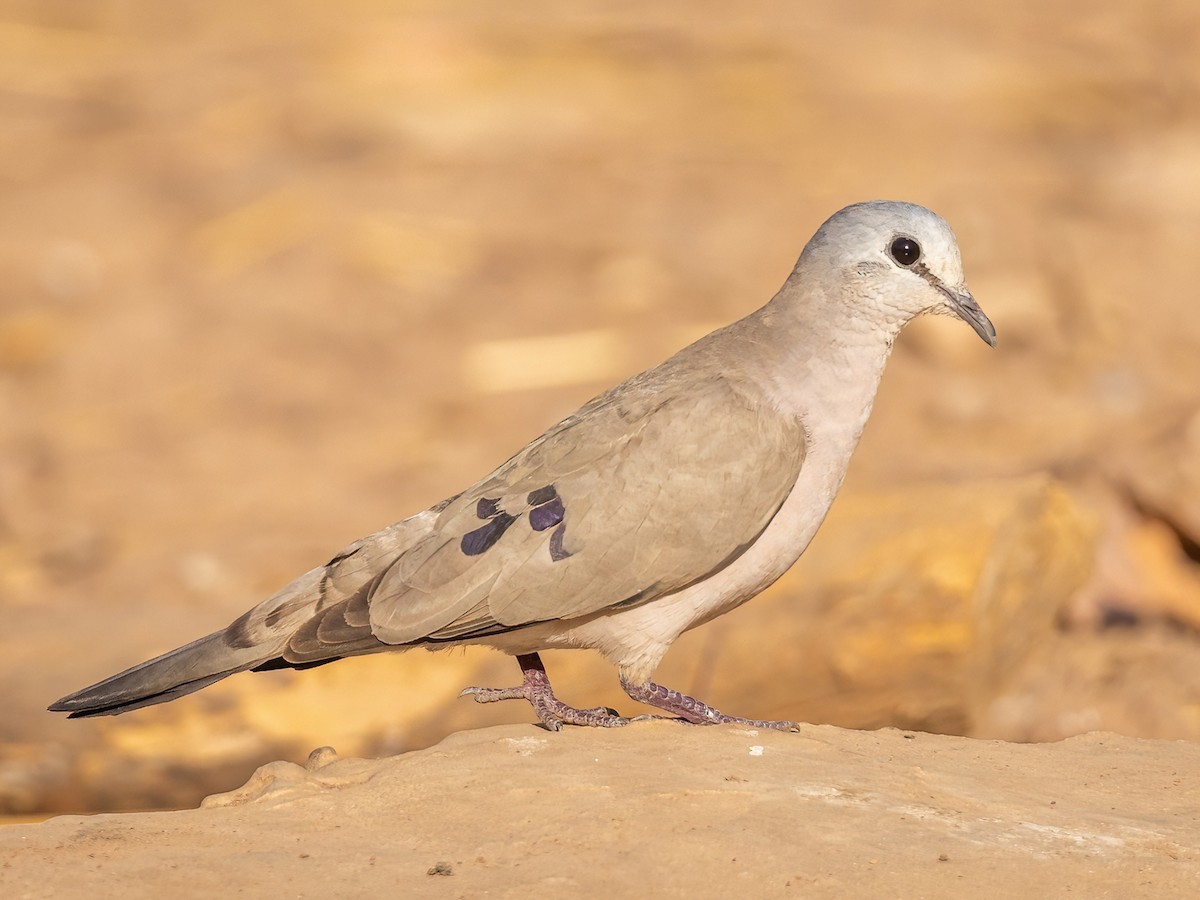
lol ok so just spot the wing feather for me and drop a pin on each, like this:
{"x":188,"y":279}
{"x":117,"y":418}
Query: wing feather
{"x":657,"y":489}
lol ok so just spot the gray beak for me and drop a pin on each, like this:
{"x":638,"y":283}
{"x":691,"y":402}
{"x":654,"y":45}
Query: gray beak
{"x":968,"y":310}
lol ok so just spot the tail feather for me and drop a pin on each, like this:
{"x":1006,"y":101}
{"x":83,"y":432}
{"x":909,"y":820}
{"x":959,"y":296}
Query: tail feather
{"x":319,"y":617}
{"x":178,"y":672}
{"x":253,"y":640}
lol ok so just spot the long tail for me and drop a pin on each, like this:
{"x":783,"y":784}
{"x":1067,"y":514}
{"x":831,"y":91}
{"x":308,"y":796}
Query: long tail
{"x":321,"y":616}
{"x":303,"y":625}
{"x":175,"y":673}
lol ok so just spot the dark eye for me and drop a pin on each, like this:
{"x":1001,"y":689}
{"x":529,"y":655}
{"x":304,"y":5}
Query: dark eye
{"x":905,"y":251}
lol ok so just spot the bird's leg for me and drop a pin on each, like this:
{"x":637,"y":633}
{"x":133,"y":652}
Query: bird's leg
{"x":536,"y":689}
{"x":691,"y":709}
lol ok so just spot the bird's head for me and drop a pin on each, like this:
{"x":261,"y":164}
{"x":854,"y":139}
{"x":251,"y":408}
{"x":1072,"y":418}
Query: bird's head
{"x":895,"y":261}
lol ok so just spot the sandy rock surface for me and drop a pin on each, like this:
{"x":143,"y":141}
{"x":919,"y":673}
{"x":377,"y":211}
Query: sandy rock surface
{"x":658,"y":809}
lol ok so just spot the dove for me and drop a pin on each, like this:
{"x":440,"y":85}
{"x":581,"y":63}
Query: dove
{"x":659,"y":505}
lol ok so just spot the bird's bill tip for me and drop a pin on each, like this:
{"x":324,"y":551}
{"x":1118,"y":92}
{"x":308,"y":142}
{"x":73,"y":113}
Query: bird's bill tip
{"x":967,"y":309}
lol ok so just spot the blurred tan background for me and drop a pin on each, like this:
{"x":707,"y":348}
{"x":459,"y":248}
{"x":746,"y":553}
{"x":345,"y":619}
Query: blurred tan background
{"x":269,"y":272}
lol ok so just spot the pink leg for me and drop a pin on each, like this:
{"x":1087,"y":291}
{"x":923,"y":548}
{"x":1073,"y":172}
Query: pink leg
{"x":690,"y":708}
{"x":535,"y":688}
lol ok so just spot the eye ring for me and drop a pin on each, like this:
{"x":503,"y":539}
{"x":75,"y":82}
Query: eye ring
{"x":905,"y":251}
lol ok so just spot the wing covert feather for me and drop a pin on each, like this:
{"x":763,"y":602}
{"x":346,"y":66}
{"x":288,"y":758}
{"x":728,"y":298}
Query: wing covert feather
{"x":642,"y":492}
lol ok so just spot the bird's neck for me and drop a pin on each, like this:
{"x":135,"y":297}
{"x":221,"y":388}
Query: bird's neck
{"x":827,"y":359}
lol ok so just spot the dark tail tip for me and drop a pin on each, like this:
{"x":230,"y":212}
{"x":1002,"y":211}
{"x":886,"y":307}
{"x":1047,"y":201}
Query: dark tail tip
{"x":174,"y":674}
{"x":97,"y":701}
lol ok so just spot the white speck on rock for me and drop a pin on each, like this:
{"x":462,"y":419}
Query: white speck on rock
{"x":526,"y":745}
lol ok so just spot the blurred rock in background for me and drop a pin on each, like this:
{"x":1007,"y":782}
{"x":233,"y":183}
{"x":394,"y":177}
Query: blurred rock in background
{"x":272,"y":273}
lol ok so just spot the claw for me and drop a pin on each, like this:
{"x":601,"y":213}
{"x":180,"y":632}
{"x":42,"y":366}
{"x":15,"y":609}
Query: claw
{"x":691,"y":710}
{"x":535,"y":688}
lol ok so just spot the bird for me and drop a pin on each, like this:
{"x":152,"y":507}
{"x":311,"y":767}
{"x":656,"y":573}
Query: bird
{"x":655,"y":507}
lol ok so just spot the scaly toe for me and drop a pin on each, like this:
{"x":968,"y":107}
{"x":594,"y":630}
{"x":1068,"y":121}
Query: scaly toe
{"x":494,"y":695}
{"x":755,"y":723}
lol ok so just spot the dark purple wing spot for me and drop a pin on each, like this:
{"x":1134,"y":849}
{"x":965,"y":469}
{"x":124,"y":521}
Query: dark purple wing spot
{"x":487,"y":507}
{"x":542,"y":495}
{"x":546,"y":516}
{"x":557,"y":553}
{"x":482,"y":538}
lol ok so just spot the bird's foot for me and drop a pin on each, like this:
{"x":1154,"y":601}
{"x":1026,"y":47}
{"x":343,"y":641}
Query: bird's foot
{"x":692,"y":710}
{"x":535,"y":688}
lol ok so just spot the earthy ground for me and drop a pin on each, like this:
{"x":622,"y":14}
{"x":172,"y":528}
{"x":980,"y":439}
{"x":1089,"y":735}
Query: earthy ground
{"x":658,"y":809}
{"x":275,"y":275}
